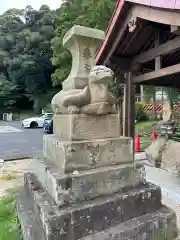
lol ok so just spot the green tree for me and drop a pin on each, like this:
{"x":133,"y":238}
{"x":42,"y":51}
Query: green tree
{"x":173,"y":95}
{"x":25,"y":49}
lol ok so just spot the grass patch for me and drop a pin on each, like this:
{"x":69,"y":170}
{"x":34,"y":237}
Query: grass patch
{"x":9,"y":224}
{"x":145,"y":127}
{"x":8,"y":177}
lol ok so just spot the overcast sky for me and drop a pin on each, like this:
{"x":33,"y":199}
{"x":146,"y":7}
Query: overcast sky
{"x":6,"y":4}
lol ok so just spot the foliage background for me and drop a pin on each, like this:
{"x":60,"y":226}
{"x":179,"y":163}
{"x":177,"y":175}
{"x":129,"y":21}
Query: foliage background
{"x":33,"y":61}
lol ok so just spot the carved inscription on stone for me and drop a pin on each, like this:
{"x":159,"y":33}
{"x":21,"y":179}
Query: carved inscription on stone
{"x":87,"y":67}
{"x":93,"y":153}
{"x":87,"y":53}
{"x":112,"y":148}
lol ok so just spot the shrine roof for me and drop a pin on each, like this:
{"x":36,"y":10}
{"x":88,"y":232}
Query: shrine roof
{"x":121,"y":7}
{"x":120,"y":43}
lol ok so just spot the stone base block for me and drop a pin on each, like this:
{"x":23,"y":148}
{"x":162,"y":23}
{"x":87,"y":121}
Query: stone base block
{"x":86,"y":185}
{"x":77,"y":155}
{"x":159,"y":225}
{"x":86,"y":127}
{"x":30,"y":225}
{"x":76,"y":221}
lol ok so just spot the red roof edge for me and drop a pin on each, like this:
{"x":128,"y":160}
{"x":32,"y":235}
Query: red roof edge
{"x":110,"y":28}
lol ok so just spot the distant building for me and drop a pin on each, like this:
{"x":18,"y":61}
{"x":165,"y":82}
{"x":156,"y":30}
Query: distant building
{"x":160,"y":95}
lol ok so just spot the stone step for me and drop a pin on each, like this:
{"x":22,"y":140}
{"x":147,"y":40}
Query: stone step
{"x":89,"y":184}
{"x":87,"y":154}
{"x":159,"y":225}
{"x":143,"y":227}
{"x":88,"y":217}
{"x":31,"y":228}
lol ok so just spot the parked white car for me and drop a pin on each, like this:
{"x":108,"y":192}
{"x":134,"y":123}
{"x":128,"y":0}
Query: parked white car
{"x":36,"y":122}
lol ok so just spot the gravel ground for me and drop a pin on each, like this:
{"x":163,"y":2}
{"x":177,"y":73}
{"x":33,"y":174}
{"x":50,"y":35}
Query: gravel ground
{"x":14,"y":171}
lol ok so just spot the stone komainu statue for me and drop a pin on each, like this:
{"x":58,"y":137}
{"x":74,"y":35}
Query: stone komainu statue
{"x":94,"y":99}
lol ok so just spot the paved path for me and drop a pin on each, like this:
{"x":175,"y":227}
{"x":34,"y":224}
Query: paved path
{"x":8,"y":129}
{"x":170,"y":186}
{"x":16,"y":142}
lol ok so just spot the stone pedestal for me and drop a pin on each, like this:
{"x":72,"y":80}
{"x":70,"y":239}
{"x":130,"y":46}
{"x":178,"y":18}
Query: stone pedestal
{"x":91,"y":189}
{"x":108,"y":203}
{"x":87,"y":186}
{"x":82,"y":43}
{"x":86,"y":127}
{"x":81,"y":155}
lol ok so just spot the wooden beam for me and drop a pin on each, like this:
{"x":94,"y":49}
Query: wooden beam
{"x":124,"y":64}
{"x":118,"y":37}
{"x":158,"y":15}
{"x":157,"y":74}
{"x":129,"y":102}
{"x":163,"y":49}
{"x":175,"y":29}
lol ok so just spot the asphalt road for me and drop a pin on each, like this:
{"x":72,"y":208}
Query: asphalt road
{"x":16,"y":142}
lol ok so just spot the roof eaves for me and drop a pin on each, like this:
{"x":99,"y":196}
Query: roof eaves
{"x":110,"y":28}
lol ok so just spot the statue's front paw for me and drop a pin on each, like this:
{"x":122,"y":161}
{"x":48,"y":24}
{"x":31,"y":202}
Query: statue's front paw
{"x":73,"y":110}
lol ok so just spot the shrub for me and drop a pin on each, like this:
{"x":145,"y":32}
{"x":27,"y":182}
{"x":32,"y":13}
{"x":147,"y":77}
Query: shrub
{"x":140,"y":115}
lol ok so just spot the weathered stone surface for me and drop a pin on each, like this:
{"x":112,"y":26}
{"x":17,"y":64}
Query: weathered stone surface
{"x":86,"y":127}
{"x":77,"y":155}
{"x":159,"y":225}
{"x":155,"y":150}
{"x":170,"y":159}
{"x":93,"y":99}
{"x":31,"y":228}
{"x":101,"y":108}
{"x":166,"y":152}
{"x":86,"y":185}
{"x":80,"y":220}
{"x":82,"y":43}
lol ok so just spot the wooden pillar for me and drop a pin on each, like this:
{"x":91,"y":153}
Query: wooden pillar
{"x":158,"y":59}
{"x":121,"y":115}
{"x":142,"y":92}
{"x":129,"y":107}
{"x":125,"y":109}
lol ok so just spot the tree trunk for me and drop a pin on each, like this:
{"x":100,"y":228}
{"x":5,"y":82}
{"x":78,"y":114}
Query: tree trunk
{"x":171,"y":97}
{"x":154,"y":103}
